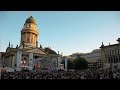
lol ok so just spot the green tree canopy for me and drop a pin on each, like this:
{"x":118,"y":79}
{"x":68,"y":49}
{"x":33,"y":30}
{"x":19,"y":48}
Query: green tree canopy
{"x":80,"y":64}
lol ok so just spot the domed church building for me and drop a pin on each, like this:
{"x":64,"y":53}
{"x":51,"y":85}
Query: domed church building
{"x":28,"y":55}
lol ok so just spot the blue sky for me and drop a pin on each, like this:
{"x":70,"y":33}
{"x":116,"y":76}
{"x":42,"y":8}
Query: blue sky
{"x":64,"y":31}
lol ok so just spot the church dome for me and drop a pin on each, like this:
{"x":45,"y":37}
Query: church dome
{"x":30,"y":20}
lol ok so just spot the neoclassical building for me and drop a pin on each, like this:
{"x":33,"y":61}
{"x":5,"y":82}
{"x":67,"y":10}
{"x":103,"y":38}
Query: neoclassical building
{"x":28,"y":54}
{"x":111,"y":55}
{"x":94,"y":58}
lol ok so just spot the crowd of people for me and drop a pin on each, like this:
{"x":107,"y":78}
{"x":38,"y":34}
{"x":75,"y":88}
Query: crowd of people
{"x":61,"y":74}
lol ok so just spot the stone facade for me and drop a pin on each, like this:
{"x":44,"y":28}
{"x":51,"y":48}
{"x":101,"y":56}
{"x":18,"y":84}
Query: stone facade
{"x":93,"y":58}
{"x":29,"y":34}
{"x":111,"y":55}
{"x":29,"y":44}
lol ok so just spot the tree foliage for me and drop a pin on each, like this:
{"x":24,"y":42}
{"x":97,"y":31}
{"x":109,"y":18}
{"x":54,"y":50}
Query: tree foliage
{"x":80,"y":64}
{"x":77,"y":64}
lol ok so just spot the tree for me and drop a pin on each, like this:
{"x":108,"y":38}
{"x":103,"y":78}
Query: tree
{"x":69,"y":64}
{"x":80,"y":64}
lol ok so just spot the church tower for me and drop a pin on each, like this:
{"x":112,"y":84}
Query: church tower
{"x":29,"y":34}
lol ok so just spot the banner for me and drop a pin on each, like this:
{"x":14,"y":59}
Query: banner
{"x":65,"y":63}
{"x":59,"y":62}
{"x":19,"y":57}
{"x":30,"y":61}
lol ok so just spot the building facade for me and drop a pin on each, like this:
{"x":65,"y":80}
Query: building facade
{"x":111,"y":55}
{"x":74,"y":56}
{"x":93,"y":58}
{"x":28,"y":53}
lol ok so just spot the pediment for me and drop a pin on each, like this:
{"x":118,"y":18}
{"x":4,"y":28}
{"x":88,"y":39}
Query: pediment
{"x":36,"y":50}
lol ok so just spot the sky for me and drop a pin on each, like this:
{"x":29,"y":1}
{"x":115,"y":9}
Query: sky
{"x":64,"y":31}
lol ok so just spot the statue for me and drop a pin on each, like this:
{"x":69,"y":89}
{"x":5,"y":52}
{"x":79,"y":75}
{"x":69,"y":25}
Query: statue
{"x":102,"y":44}
{"x":40,"y":46}
{"x":9,"y":43}
{"x":17,"y":46}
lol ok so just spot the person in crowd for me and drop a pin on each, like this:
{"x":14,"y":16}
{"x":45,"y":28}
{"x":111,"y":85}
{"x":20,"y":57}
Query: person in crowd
{"x":58,"y":74}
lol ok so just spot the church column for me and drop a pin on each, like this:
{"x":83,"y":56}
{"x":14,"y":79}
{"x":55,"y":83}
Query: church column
{"x":35,"y":39}
{"x":25,"y":37}
{"x":30,"y":38}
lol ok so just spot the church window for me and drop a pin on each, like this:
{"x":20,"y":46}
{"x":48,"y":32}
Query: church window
{"x":116,"y":52}
{"x":111,"y":52}
{"x":119,"y":51}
